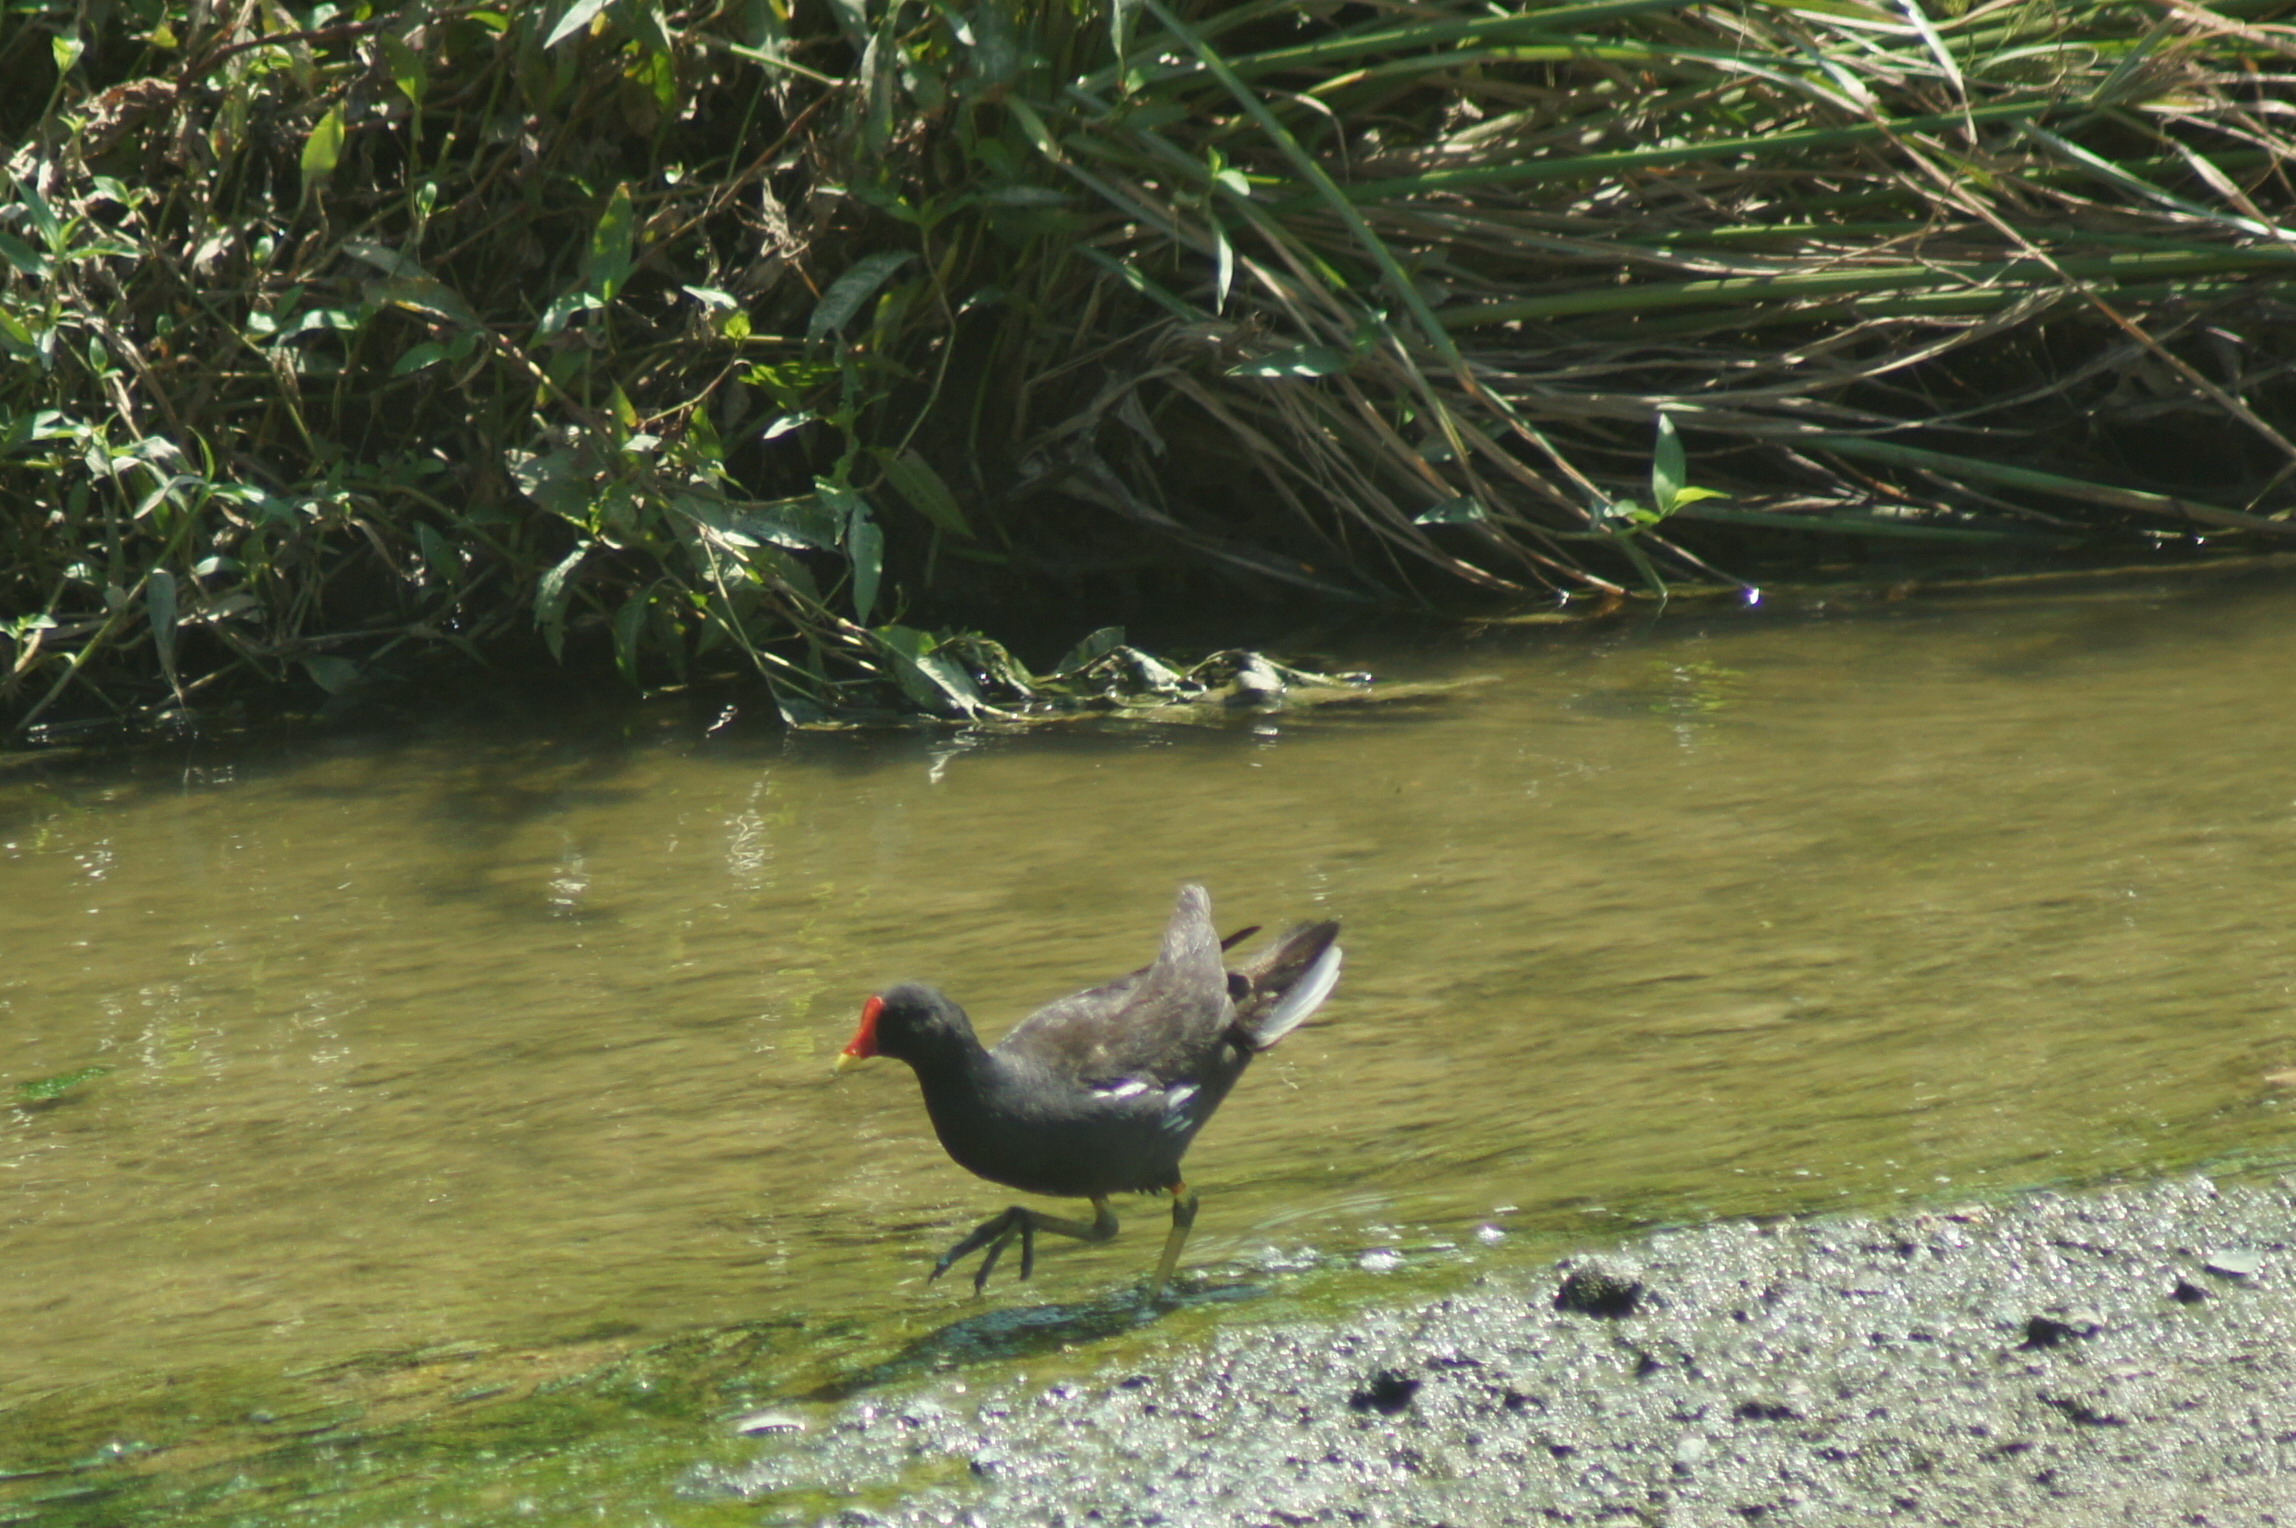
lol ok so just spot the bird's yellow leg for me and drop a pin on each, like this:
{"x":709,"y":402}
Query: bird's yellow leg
{"x":1183,"y":1217}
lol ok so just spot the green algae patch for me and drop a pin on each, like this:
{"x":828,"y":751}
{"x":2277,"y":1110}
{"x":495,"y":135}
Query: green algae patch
{"x":42,"y":1090}
{"x":667,"y":1433}
{"x":468,"y":1435}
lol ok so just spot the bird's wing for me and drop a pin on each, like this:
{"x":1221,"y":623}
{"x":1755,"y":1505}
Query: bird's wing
{"x":1155,"y":1025}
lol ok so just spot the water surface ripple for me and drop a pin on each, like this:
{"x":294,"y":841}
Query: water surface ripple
{"x":522,"y":1031}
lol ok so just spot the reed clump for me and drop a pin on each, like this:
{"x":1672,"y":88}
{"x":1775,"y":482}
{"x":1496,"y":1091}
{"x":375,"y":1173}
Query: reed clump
{"x":736,"y":334}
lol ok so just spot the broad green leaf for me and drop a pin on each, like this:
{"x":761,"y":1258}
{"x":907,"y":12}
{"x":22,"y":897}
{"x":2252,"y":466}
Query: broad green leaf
{"x":578,"y":16}
{"x":323,"y":148}
{"x":550,"y":597}
{"x":927,"y":494}
{"x":995,"y":51}
{"x":337,"y":320}
{"x":1463,"y":511}
{"x":43,"y":216}
{"x":334,"y":675}
{"x":645,"y":18}
{"x":416,"y":358}
{"x":629,"y":624}
{"x":22,"y":256}
{"x":702,"y":435}
{"x":1033,"y":127}
{"x":385,"y":258}
{"x":655,"y":68}
{"x":160,"y":610}
{"x":1303,"y":361}
{"x":555,"y":480}
{"x":1226,"y":176}
{"x":1669,"y":469}
{"x":423,"y":295}
{"x":438,"y":556}
{"x":927,"y":675}
{"x":607,"y":263}
{"x":848,"y":292}
{"x":865,"y":546}
{"x":804,"y":523}
{"x":409,"y":70}
{"x":1098,"y":645}
{"x":554,"y":318}
{"x":16,"y":336}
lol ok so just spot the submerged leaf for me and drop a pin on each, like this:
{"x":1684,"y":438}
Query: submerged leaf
{"x":41,"y":1089}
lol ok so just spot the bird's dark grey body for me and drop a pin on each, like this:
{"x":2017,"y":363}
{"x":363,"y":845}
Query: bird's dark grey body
{"x":1103,"y":1091}
{"x":1127,"y":1137}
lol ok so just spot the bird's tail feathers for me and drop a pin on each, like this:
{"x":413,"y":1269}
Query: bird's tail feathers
{"x":1287,"y":982}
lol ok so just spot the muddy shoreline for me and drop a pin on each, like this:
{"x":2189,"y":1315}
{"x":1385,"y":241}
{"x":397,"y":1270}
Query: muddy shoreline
{"x":2120,"y":1356}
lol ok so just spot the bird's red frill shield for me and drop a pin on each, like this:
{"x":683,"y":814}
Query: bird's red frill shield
{"x":864,"y":1042}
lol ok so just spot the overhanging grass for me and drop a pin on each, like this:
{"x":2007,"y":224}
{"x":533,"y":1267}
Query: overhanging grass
{"x":717,"y":334}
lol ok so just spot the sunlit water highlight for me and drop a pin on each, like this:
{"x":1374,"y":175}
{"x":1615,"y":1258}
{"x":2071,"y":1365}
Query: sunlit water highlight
{"x":520,"y":1032}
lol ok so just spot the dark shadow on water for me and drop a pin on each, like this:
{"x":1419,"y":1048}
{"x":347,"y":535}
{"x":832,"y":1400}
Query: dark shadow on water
{"x":1025,"y":1331}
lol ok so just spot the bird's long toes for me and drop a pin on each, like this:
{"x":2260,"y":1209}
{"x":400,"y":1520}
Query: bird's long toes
{"x":989,"y":1263}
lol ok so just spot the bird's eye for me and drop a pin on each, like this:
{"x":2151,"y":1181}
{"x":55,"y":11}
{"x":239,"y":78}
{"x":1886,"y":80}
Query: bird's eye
{"x":1239,"y":986}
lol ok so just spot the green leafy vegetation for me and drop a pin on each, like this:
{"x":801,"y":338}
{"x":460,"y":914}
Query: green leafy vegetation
{"x":39,"y":1090}
{"x":743,"y":336}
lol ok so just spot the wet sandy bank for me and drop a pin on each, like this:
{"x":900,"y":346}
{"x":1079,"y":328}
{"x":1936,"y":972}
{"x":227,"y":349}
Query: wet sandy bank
{"x":2120,"y":1356}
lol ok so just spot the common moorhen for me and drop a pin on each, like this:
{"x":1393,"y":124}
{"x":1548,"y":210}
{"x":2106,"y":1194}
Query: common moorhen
{"x":1101,"y":1092}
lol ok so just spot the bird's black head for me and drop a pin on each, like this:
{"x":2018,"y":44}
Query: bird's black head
{"x":912,"y":1023}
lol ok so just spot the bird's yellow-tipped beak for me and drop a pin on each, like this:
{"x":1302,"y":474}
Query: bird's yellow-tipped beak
{"x":864,"y":1039}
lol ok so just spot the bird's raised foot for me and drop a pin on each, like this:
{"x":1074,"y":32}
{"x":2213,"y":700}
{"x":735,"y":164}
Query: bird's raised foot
{"x":997,"y":1233}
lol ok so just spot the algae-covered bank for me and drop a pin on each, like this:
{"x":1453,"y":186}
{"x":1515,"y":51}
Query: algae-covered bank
{"x":2121,"y":1356}
{"x":432,"y":1120}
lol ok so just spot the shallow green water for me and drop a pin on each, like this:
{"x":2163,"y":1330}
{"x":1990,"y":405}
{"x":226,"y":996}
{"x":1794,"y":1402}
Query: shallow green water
{"x":518,"y":1033}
